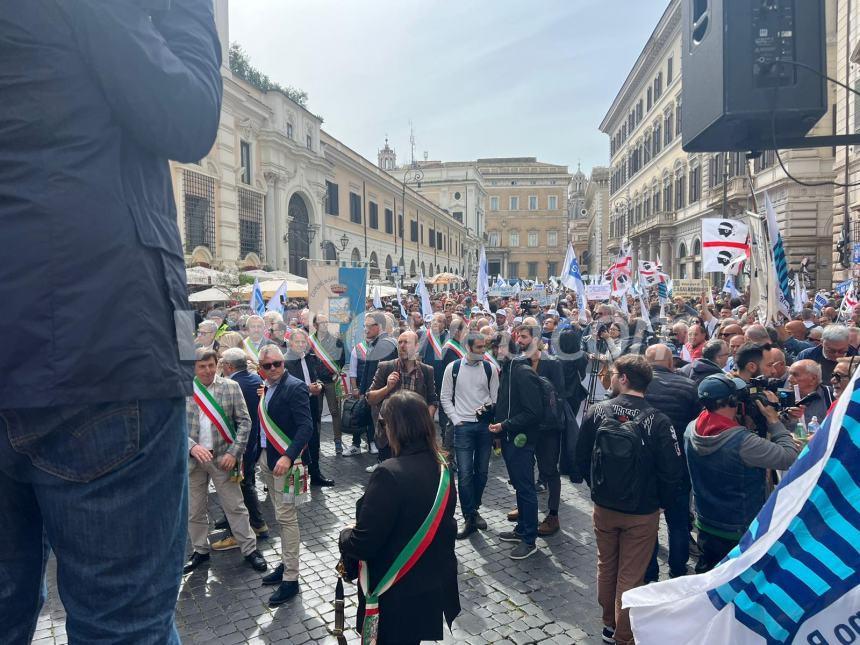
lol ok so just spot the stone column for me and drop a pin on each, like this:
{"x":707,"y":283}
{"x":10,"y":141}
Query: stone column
{"x":666,"y":255}
{"x":271,"y":216}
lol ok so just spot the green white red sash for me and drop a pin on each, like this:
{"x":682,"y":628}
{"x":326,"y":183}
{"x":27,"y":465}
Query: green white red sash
{"x":455,"y":346}
{"x":434,"y":343}
{"x":361,"y":350}
{"x":407,"y":558}
{"x":492,"y":361}
{"x":324,"y":356}
{"x":252,"y":348}
{"x":296,"y":483}
{"x":210,"y":407}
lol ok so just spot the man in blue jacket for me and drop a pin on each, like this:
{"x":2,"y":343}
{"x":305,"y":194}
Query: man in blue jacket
{"x":97,"y":96}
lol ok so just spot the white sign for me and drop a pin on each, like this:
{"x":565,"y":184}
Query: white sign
{"x":598,"y":291}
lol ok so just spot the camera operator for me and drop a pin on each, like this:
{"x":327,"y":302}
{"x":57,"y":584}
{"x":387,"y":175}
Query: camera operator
{"x":728,"y":464}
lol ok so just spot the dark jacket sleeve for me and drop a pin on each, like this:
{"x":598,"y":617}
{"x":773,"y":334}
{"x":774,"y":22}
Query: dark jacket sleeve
{"x":585,"y":444}
{"x":300,"y":404}
{"x":668,"y":463}
{"x":160,"y":73}
{"x":375,"y":519}
{"x":527,"y":413}
{"x":430,"y":393}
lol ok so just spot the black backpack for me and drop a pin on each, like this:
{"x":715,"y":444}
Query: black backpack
{"x":552,"y":413}
{"x":620,"y":465}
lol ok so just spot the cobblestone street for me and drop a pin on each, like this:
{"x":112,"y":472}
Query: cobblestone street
{"x":548,"y":598}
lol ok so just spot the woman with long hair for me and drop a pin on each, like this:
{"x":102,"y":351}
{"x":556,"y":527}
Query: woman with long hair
{"x":404,"y":534}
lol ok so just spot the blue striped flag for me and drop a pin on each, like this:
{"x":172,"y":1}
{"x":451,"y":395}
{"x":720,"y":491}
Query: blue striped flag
{"x":258,"y":304}
{"x":779,"y":261}
{"x":795,"y":575}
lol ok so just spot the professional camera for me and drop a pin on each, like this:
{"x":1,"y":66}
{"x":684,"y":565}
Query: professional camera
{"x":755,"y":391}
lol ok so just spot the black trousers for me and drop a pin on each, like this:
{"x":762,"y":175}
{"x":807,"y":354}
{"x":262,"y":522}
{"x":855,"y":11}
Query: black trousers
{"x":249,"y":494}
{"x":314,"y":451}
{"x":547,"y":450}
{"x":712,"y":549}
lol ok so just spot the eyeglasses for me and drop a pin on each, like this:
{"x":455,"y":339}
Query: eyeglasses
{"x":268,"y":366}
{"x":838,"y":377}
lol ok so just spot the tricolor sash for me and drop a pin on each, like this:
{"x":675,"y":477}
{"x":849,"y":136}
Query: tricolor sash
{"x":210,"y":407}
{"x":296,"y":483}
{"x":492,"y":361}
{"x":361,"y":350}
{"x":407,"y":558}
{"x":455,"y":346}
{"x":324,"y":356}
{"x":252,"y":348}
{"x":434,"y":343}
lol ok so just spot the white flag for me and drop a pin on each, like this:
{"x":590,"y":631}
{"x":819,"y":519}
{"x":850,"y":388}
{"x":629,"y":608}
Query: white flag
{"x":649,"y":275}
{"x":377,"y":300}
{"x":723,"y":242}
{"x":571,"y":277}
{"x":275,"y":303}
{"x":483,"y":281}
{"x":421,"y":290}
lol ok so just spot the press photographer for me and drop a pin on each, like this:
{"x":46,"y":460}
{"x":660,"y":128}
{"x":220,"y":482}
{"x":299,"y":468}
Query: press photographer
{"x":728,"y":463}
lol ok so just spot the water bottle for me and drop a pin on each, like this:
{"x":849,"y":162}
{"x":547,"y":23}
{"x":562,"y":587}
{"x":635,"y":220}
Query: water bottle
{"x":813,"y":426}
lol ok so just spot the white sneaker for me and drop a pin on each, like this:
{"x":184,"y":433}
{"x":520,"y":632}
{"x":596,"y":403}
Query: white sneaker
{"x":351,"y":451}
{"x":370,"y":469}
{"x":373,"y":449}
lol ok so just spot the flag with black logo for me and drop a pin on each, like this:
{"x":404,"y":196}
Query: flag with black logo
{"x":724,"y":244}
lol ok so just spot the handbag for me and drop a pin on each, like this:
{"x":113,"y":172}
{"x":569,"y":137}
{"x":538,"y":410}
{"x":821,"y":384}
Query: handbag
{"x":355,"y":414}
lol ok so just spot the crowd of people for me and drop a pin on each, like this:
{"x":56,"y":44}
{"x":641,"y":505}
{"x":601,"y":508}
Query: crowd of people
{"x":690,"y":409}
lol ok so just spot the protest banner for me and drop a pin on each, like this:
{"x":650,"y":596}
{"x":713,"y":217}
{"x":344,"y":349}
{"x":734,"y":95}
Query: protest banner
{"x":598,"y":292}
{"x":339,"y":292}
{"x":688,"y":288}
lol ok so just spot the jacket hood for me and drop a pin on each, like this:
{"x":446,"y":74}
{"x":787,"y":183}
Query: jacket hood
{"x":705,"y":444}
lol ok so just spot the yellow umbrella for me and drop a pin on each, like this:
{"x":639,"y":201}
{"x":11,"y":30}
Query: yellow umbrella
{"x":445,"y":278}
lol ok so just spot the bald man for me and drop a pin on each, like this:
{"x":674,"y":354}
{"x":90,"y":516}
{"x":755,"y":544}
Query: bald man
{"x":674,"y":395}
{"x":757,"y":334}
{"x":406,"y":372}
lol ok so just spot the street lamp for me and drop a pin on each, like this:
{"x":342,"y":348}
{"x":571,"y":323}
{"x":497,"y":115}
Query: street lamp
{"x":413,"y":174}
{"x":344,"y":242}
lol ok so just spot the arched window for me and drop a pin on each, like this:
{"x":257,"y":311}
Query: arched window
{"x":356,"y":257}
{"x":423,"y":270}
{"x":682,"y":250}
{"x":374,"y":266}
{"x":697,"y":247}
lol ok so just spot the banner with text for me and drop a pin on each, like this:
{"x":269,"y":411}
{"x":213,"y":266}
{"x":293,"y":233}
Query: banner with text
{"x":688,"y":288}
{"x":598,"y":292}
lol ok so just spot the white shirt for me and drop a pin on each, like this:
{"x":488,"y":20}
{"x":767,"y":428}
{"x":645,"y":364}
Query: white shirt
{"x":305,"y":372}
{"x":204,"y":437}
{"x":352,"y":372}
{"x":472,"y":390}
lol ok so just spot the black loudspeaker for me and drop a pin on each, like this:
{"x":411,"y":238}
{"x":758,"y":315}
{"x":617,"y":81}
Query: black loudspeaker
{"x":734,"y":78}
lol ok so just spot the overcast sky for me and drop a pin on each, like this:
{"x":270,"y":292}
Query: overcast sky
{"x":477,"y":78}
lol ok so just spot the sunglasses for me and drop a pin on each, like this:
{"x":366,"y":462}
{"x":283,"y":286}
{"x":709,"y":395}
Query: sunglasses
{"x":268,"y":366}
{"x":838,"y":377}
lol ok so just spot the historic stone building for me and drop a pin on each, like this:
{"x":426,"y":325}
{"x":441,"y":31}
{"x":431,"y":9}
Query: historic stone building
{"x":659,"y":193}
{"x":276,"y":190}
{"x":527,"y":216}
{"x":597,"y":213}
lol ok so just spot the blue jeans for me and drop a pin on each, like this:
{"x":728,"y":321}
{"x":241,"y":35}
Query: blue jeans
{"x":106,"y":487}
{"x":521,"y":468}
{"x":678,"y":527}
{"x":472,"y":446}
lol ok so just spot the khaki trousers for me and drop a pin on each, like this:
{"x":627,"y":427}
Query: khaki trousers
{"x":287,"y":517}
{"x":624,"y":547}
{"x":230,"y":498}
{"x":333,"y":407}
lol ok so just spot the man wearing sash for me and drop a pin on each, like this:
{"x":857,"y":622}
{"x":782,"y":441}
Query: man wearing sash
{"x":286,"y":427}
{"x":328,"y":348}
{"x":434,"y":339}
{"x":218,"y":428}
{"x":306,"y":368}
{"x":256,"y":327}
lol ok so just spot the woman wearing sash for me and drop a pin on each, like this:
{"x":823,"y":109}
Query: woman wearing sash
{"x":404,"y":534}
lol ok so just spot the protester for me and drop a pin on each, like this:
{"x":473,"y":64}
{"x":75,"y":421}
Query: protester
{"x":675,"y":396}
{"x":728,"y":465}
{"x":405,"y":372}
{"x":234,"y":365}
{"x":835,"y":343}
{"x":474,"y":389}
{"x":715,"y":355}
{"x":400,"y":495}
{"x":815,"y":398}
{"x":218,"y":428}
{"x":287,"y":427}
{"x":518,"y":415}
{"x":328,"y":350}
{"x":842,"y":374}
{"x":628,"y":486}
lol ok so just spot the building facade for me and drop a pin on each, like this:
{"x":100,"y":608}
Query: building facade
{"x":577,"y":217}
{"x":597,"y":213}
{"x":527,"y":216}
{"x":276,"y":191}
{"x":659,"y":193}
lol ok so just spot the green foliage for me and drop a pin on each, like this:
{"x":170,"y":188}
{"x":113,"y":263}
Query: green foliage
{"x":241,"y":66}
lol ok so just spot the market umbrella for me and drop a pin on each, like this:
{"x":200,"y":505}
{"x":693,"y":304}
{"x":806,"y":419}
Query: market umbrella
{"x":269,"y":287}
{"x":213,"y":294}
{"x":445,"y":278}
